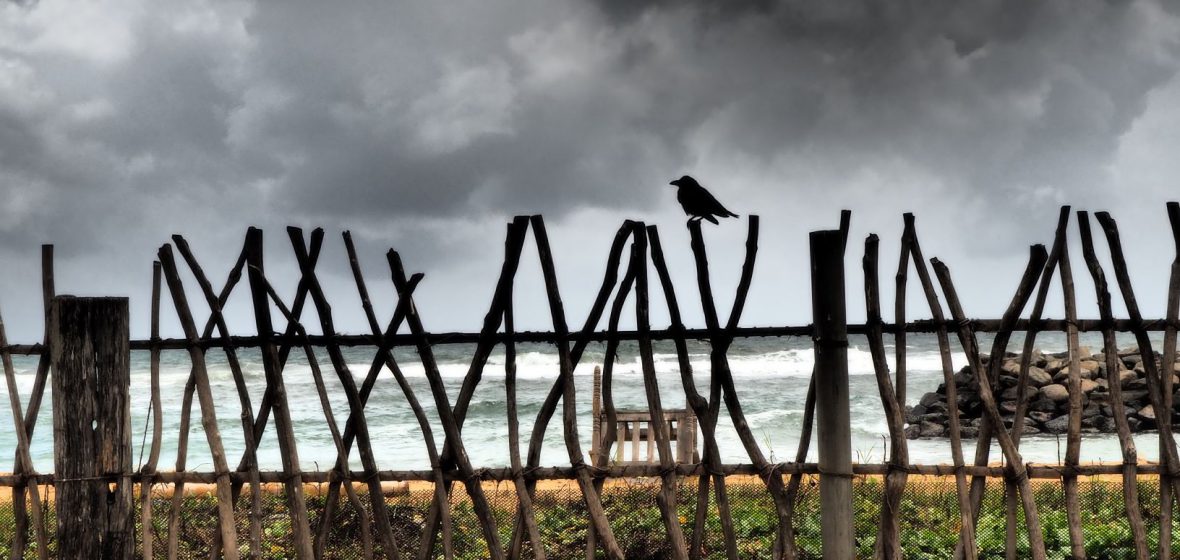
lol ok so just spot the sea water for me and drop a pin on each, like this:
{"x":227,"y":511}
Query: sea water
{"x":771,"y":376}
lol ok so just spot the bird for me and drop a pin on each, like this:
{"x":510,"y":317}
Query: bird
{"x":697,"y":202}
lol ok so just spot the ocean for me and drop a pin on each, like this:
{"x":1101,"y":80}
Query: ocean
{"x":771,"y":375}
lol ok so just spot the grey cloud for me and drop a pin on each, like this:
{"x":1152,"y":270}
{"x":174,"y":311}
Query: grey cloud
{"x":999,"y":98}
{"x":426,"y":128}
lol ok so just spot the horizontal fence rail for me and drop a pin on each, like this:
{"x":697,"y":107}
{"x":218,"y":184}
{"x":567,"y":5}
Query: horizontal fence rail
{"x":507,"y":474}
{"x":703,"y":334}
{"x":697,"y":507}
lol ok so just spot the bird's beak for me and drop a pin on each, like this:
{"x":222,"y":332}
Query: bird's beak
{"x":674,"y":184}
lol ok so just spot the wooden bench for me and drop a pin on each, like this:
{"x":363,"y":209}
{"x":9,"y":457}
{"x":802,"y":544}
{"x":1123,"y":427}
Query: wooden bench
{"x":634,"y":427}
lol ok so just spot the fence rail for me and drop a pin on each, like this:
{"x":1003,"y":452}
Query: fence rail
{"x":704,"y":334}
{"x":1041,"y":471}
{"x":520,"y":536}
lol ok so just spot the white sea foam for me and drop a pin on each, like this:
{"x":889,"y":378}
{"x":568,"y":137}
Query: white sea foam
{"x":771,"y":381}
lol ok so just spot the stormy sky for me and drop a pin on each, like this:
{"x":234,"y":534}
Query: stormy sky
{"x":426,"y":126}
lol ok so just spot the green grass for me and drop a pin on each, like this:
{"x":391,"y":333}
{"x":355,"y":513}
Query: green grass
{"x":929,"y":528}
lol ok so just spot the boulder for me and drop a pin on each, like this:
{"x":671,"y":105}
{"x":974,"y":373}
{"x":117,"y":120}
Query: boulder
{"x":1089,"y":368}
{"x":938,"y":418}
{"x":963,"y":378}
{"x":1039,"y":377}
{"x":966,"y":395}
{"x":970,"y":404}
{"x":1043,"y":404}
{"x":1099,"y":423}
{"x":1047,"y":395}
{"x":1061,"y":376}
{"x":1011,"y":393}
{"x":929,"y":399}
{"x":930,"y":429}
{"x":1056,"y":393}
{"x":1134,"y":396}
{"x":1011,"y":367}
{"x":1040,"y":417}
{"x":1126,"y":377}
{"x":1059,"y":425}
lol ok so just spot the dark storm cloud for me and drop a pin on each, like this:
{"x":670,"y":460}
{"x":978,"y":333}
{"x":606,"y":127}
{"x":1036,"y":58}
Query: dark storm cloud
{"x":453,"y":123}
{"x":1006,"y":97}
{"x":427,"y":127}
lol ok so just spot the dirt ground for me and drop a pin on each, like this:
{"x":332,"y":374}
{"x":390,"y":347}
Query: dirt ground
{"x":415,"y":487}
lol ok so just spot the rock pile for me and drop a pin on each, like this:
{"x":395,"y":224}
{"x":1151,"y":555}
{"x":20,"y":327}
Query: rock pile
{"x":1047,"y":396}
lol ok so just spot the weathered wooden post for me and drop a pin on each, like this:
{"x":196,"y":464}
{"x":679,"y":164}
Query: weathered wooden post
{"x":89,"y":352}
{"x":831,"y":390}
{"x":596,"y":413}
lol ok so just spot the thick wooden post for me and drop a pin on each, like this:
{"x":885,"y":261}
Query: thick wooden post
{"x":831,"y":391}
{"x":90,"y":351}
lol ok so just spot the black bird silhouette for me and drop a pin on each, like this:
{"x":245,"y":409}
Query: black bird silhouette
{"x":697,"y":202}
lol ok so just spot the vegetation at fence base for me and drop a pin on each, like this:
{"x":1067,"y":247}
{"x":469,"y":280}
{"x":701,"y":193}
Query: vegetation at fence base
{"x":929,"y":529}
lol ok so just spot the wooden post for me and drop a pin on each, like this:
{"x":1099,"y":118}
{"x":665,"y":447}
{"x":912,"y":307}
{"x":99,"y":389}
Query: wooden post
{"x":1169,"y":357}
{"x":831,"y":390}
{"x":700,"y":413}
{"x":23,"y":464}
{"x":721,"y":385}
{"x":1110,"y":350}
{"x":272,"y":365}
{"x":148,"y":471}
{"x":446,"y":415}
{"x":385,"y":357}
{"x":90,"y":352}
{"x":567,"y":361}
{"x":596,"y":413}
{"x":657,"y":427}
{"x":966,"y":547}
{"x":356,"y":406}
{"x":523,"y":498}
{"x":888,"y":533}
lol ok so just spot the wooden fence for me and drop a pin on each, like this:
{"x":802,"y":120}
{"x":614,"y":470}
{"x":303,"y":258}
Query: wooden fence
{"x":87,"y":335}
